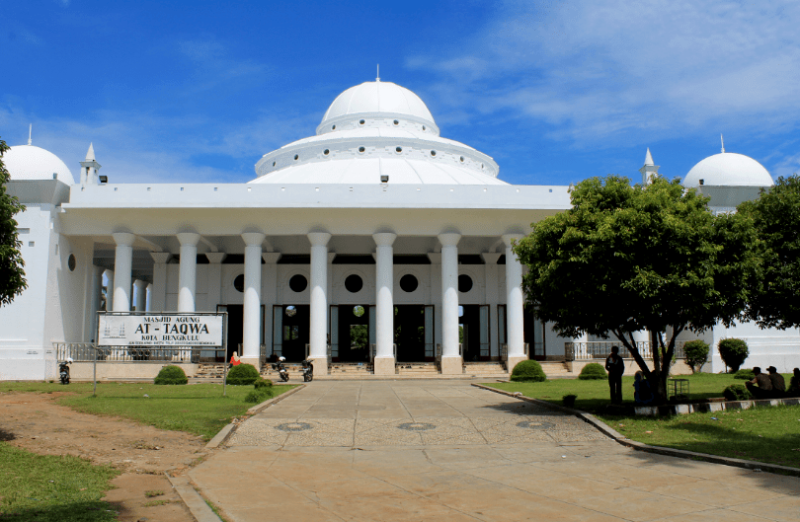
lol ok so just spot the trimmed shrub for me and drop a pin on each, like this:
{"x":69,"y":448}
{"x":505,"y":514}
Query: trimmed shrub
{"x":528,"y":371}
{"x":737,"y":392}
{"x":243,"y":375}
{"x":262,"y":384}
{"x":733,"y":352}
{"x":744,"y":374}
{"x":593,"y":372}
{"x":696,"y":354}
{"x":257,"y":396}
{"x":171,"y":375}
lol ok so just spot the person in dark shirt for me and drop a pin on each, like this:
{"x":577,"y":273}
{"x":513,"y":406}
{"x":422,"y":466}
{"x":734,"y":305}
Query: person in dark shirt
{"x":794,"y":384}
{"x":778,"y":383}
{"x":764,"y":388}
{"x":615,"y":367}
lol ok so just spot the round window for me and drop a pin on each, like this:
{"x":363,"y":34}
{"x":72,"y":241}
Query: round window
{"x":361,"y":149}
{"x":358,"y":311}
{"x":399,"y":149}
{"x":361,"y":122}
{"x":273,"y":163}
{"x":408,"y":283}
{"x":238,"y":283}
{"x":433,"y":153}
{"x":296,"y":156}
{"x":353,"y":283}
{"x":423,"y":127}
{"x":333,"y":127}
{"x":71,"y":262}
{"x":291,"y":311}
{"x":298,"y":283}
{"x":326,"y":152}
{"x":464,"y":283}
{"x":462,"y":159}
{"x":396,"y":122}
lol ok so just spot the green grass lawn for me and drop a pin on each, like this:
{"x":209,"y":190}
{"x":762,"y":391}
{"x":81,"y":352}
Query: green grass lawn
{"x":198,"y":408}
{"x":767,"y":434}
{"x":50,"y":488}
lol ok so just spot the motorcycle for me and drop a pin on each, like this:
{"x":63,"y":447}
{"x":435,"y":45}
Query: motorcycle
{"x":281,"y":369}
{"x":63,"y":370}
{"x":307,"y":371}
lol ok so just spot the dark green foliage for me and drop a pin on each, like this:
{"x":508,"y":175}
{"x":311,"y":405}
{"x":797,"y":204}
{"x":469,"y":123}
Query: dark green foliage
{"x":171,"y":375}
{"x":745,"y":374}
{"x":12,"y":274}
{"x":528,"y":371}
{"x":776,"y":218}
{"x":733,"y":352}
{"x":259,"y":395}
{"x":262,"y":384}
{"x":737,"y":392}
{"x":696,"y":354}
{"x":593,"y":371}
{"x":243,"y":375}
{"x":569,"y":400}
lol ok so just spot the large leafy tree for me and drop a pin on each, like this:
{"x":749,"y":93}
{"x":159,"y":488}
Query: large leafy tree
{"x":12,"y":275}
{"x":775,"y":302}
{"x":630,"y":258}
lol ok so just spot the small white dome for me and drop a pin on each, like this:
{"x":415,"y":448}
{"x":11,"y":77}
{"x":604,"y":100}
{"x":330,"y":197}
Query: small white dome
{"x":28,"y":162}
{"x":729,"y":169}
{"x":378,"y":97}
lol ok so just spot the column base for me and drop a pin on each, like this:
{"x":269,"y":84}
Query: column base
{"x":513,"y":360}
{"x":383,"y":366}
{"x":452,"y":365}
{"x":255,"y":361}
{"x":320,"y":364}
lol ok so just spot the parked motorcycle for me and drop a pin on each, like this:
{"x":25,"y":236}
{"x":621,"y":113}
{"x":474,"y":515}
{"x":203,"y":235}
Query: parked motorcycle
{"x":308,"y":371}
{"x":281,"y":369}
{"x":63,"y":370}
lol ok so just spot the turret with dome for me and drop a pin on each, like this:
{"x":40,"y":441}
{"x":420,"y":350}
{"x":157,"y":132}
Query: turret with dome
{"x":728,"y":169}
{"x":32,"y":163}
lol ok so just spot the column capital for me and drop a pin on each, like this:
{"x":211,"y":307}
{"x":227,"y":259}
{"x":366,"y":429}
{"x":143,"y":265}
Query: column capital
{"x":160,"y":258}
{"x":490,"y":258}
{"x":124,"y":238}
{"x":449,"y":239}
{"x":319,"y":238}
{"x":140,"y":284}
{"x":271,"y":257}
{"x":435,"y":257}
{"x":253,"y":238}
{"x":508,"y":238}
{"x":215,"y":258}
{"x":188,"y":238}
{"x":384,"y":238}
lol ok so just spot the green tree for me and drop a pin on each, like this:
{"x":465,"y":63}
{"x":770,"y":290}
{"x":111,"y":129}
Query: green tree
{"x":12,"y":274}
{"x":630,"y":258}
{"x":776,"y":215}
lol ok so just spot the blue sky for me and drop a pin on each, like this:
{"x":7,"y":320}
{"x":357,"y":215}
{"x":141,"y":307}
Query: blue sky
{"x":555,"y":91}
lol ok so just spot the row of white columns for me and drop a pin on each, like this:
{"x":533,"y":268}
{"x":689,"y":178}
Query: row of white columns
{"x":318,"y":335}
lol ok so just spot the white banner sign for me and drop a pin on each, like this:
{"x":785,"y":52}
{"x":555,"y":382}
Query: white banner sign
{"x":160,"y":330}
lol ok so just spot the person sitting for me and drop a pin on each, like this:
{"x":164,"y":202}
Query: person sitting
{"x":794,"y":384}
{"x":764,"y":388}
{"x":778,"y":383}
{"x":642,"y":394}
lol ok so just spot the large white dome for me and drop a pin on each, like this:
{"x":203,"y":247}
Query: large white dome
{"x":28,"y":162}
{"x":729,"y":169}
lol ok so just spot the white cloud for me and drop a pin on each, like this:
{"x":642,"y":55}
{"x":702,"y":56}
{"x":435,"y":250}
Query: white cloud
{"x":614,"y":70}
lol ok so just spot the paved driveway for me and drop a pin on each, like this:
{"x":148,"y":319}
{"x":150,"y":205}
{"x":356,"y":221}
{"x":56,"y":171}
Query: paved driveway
{"x":444,"y":450}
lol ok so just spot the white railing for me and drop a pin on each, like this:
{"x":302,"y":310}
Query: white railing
{"x":504,"y":353}
{"x":85,"y":352}
{"x":575,"y":351}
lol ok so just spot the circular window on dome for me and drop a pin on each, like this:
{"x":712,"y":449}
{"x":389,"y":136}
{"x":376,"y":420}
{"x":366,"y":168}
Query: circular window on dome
{"x":399,"y":149}
{"x":462,"y":159}
{"x":423,"y":127}
{"x":361,"y":122}
{"x":464,"y":283}
{"x":433,"y":153}
{"x":298,"y":283}
{"x":481,"y":165}
{"x":291,"y":311}
{"x":296,"y":157}
{"x":273,"y":163}
{"x":353,"y":283}
{"x":71,"y":263}
{"x":396,"y":122}
{"x":358,"y":311}
{"x":408,"y":283}
{"x":361,"y":149}
{"x":238,"y":283}
{"x":326,"y":152}
{"x":333,"y":127}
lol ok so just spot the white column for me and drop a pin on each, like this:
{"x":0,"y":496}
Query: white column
{"x":123,"y":262}
{"x":139,"y":288}
{"x":384,"y":301}
{"x":436,"y":296}
{"x":514,"y":304}
{"x":158,"y":294}
{"x":187,"y":281}
{"x":318,"y":335}
{"x":214,"y":279}
{"x":490,"y":259}
{"x":269,"y":293}
{"x":109,"y":275}
{"x":148,"y":297}
{"x":251,"y":339}
{"x":94,"y":303}
{"x":451,"y":358}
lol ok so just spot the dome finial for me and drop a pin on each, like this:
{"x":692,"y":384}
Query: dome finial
{"x":378,"y":77}
{"x":30,"y":134}
{"x":722,"y":140}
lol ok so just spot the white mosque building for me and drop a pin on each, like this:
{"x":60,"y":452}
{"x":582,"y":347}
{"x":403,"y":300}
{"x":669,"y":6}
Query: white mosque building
{"x":376,"y":224}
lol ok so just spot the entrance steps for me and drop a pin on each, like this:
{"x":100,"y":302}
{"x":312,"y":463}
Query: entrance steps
{"x":208,"y":372}
{"x":354,"y":370}
{"x":295,"y":371}
{"x":417,"y":369}
{"x":486,"y":369}
{"x":556,"y":370}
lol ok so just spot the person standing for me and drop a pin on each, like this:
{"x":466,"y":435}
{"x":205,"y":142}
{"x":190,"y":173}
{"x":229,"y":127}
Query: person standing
{"x":794,"y":383}
{"x":615,"y":368}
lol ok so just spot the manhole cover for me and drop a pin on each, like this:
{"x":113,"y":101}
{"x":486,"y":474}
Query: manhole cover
{"x":416,"y":426}
{"x":294,"y":426}
{"x":536,"y":425}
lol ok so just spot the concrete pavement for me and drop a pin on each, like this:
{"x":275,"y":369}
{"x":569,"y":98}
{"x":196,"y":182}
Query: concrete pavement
{"x":443,"y":450}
